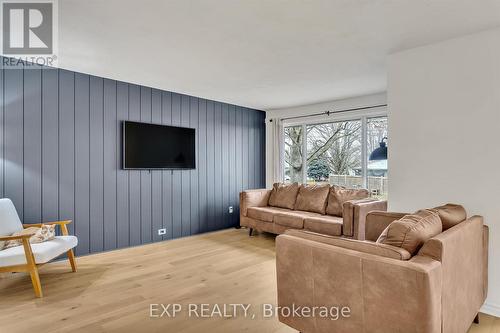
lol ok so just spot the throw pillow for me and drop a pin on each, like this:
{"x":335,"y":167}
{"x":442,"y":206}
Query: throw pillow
{"x":412,"y":231}
{"x":338,"y":195}
{"x":312,"y":198}
{"x":284,"y":195}
{"x":42,"y":234}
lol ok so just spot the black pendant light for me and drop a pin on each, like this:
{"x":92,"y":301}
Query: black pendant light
{"x":381,"y":152}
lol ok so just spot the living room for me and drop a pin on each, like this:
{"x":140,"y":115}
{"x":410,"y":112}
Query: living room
{"x":249,"y":166}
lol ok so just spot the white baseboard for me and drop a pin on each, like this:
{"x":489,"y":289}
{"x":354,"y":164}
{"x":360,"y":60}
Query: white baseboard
{"x":491,"y":309}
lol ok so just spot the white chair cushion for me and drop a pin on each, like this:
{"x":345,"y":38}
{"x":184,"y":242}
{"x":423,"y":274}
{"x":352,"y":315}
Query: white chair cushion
{"x":9,"y":220}
{"x":43,"y":252}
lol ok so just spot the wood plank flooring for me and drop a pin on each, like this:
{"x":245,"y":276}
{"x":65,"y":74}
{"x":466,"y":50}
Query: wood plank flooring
{"x":112,"y":291}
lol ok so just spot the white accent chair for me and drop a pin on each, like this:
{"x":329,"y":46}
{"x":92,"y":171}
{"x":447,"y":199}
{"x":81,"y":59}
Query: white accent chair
{"x":29,"y":257}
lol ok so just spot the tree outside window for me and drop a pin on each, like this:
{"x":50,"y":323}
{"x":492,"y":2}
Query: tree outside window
{"x":333,"y":154}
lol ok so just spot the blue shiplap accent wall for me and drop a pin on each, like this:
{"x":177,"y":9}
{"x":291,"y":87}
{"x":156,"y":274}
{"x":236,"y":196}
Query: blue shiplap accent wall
{"x":60,"y":158}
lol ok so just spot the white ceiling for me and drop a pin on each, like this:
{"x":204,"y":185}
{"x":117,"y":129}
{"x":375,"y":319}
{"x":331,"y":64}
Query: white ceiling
{"x":264,"y":54}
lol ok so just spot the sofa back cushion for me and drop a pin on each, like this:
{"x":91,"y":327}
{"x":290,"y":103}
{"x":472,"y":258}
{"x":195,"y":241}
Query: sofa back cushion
{"x":284,"y":195}
{"x":338,"y":195}
{"x":312,"y":198}
{"x":412,"y":231}
{"x":451,"y":215}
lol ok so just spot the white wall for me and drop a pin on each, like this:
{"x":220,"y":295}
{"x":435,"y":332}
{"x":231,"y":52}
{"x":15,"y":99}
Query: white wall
{"x":343,"y":104}
{"x":444,"y":127}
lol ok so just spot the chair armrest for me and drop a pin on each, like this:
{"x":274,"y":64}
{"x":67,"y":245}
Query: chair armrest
{"x":376,"y":222}
{"x":389,"y":294}
{"x":9,"y":238}
{"x":354,"y":216}
{"x":61,"y":224}
{"x":253,"y":198}
{"x":47,"y":223}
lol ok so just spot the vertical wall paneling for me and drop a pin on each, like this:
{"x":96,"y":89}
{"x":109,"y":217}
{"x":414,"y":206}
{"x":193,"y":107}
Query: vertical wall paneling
{"x":194,"y":188}
{"x":225,"y":165}
{"x":238,"y":157}
{"x":185,"y":177}
{"x":156,"y":175}
{"x":219,"y":223}
{"x":50,"y":149}
{"x":110,"y":147}
{"x":210,"y":165}
{"x":66,"y":145}
{"x":13,"y":138}
{"x":176,"y":175}
{"x":82,"y":162}
{"x":61,"y":158}
{"x":122,"y":176}
{"x":232,"y":163}
{"x":96,"y":148}
{"x":32,"y":148}
{"x":202,"y":165}
{"x":134,"y":193}
{"x":146,"y":222}
{"x":167,"y":186}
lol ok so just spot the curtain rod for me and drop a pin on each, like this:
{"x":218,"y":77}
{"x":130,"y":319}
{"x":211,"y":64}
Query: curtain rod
{"x":328,"y":113}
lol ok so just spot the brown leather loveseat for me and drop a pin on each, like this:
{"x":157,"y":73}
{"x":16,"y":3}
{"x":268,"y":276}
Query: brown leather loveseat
{"x":424,"y":272}
{"x":325,"y":209}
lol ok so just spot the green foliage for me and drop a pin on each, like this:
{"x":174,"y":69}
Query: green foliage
{"x":318,"y":169}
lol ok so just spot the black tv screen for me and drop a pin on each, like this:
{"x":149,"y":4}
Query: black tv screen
{"x":151,"y":146}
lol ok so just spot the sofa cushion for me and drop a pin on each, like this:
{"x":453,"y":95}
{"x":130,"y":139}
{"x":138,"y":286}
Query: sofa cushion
{"x":284,"y":195}
{"x":412,"y":231}
{"x":328,"y":225}
{"x":312,"y":198}
{"x":293,"y":219}
{"x":451,"y":215}
{"x":265,"y":214}
{"x":338,"y":195}
{"x":43,"y":252}
{"x":378,"y":249}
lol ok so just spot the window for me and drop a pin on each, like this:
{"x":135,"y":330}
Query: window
{"x":376,"y":131}
{"x":294,"y":165}
{"x":334,"y":153}
{"x":337,"y":153}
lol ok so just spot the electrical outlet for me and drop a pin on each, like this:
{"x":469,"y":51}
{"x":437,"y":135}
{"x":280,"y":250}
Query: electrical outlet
{"x":162,"y":232}
{"x":231,"y":209}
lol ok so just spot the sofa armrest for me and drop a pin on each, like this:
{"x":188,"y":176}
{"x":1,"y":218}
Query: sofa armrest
{"x":354,"y":216}
{"x":391,"y":295}
{"x":253,"y":198}
{"x":376,"y":222}
{"x":461,"y":251}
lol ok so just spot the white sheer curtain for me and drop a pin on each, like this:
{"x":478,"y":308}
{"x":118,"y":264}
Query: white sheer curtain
{"x":278,"y":149}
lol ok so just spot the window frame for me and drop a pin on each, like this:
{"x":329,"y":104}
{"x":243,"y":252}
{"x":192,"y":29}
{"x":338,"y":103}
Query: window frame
{"x":378,"y":112}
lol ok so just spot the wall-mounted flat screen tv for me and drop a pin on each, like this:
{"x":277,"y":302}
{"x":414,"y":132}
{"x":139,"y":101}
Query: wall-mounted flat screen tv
{"x":150,"y":146}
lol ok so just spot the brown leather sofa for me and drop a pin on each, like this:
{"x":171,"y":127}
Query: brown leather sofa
{"x":325,"y":209}
{"x":407,"y":276}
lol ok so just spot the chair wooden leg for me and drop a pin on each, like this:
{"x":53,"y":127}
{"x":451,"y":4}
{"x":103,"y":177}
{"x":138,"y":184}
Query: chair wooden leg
{"x":71,"y":257}
{"x":35,"y":280}
{"x":476,"y":320}
{"x":250,"y":232}
{"x":32,"y":268}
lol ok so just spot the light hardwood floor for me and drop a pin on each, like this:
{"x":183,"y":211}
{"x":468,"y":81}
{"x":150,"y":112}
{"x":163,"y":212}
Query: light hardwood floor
{"x":112,"y":291}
